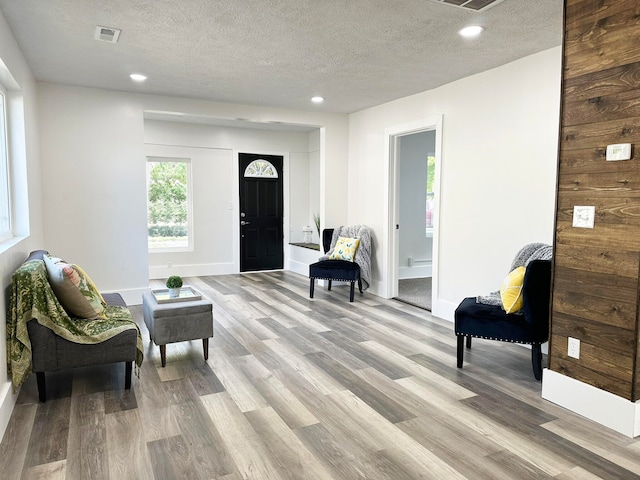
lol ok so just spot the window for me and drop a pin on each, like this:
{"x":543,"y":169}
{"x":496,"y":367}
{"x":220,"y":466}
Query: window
{"x":5,"y":195}
{"x":168,"y":204}
{"x":431,"y":176}
{"x":260,"y":168}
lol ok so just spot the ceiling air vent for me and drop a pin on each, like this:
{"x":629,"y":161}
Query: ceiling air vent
{"x":475,"y":5}
{"x":107,"y":34}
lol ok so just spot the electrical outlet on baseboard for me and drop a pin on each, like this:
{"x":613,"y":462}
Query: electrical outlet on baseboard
{"x":573,"y":347}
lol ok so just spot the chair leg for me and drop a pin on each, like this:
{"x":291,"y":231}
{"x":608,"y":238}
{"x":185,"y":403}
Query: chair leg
{"x":329,"y":287}
{"x":460,"y":350}
{"x":311,"y":287}
{"x":360,"y":284}
{"x":353,"y":284}
{"x":536,"y":360}
{"x":42,"y":387}
{"x":127,"y":375}
{"x":205,"y":348}
{"x":468,"y":341}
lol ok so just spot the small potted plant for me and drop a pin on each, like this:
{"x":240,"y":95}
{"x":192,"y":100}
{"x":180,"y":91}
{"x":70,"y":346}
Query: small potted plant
{"x":174,"y":282}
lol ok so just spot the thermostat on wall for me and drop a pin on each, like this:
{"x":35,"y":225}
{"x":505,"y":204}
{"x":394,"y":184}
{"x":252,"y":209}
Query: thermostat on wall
{"x":619,"y":151}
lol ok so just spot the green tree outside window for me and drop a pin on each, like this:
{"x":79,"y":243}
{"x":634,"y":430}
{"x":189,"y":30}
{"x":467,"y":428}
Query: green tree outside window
{"x":167,"y":205}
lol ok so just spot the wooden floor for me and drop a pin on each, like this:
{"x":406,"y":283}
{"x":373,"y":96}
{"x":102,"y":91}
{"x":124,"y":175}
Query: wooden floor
{"x":309,"y":389}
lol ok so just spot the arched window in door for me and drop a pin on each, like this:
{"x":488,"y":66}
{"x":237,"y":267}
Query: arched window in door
{"x":260,"y":168}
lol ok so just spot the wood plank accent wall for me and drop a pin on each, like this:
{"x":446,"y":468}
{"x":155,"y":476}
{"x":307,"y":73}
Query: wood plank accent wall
{"x":597,"y":271}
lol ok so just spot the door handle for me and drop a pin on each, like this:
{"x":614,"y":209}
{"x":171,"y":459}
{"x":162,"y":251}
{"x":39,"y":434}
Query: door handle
{"x":244,"y":223}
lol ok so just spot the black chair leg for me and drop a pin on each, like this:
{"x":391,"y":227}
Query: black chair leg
{"x":329,"y":287}
{"x":360,"y":284}
{"x":536,"y":360}
{"x":127,"y":375}
{"x":311,"y":287}
{"x":353,"y":284}
{"x":468,"y":341}
{"x":42,"y":387}
{"x":460,"y":350}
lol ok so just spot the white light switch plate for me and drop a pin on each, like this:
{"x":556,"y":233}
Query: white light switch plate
{"x":583,"y":217}
{"x":619,"y":151}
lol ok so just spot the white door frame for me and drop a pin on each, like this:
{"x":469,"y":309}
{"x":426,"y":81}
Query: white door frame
{"x":391,"y":196}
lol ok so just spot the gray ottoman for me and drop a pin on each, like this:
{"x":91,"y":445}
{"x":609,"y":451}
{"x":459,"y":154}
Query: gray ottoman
{"x":177,"y":322}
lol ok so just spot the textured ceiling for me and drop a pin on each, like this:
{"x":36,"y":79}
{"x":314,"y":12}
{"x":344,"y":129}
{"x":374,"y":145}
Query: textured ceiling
{"x":355,"y":53}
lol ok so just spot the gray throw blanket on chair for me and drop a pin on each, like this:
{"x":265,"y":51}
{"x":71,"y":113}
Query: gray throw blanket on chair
{"x":363,"y":254}
{"x":528,"y":253}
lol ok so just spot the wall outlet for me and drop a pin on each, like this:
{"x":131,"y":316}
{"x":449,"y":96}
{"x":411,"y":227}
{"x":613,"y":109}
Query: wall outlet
{"x":573,"y":349}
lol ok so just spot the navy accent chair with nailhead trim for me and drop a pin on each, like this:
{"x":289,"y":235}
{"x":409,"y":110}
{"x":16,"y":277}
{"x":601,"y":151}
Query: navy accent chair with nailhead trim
{"x":339,"y":270}
{"x":531,"y":326}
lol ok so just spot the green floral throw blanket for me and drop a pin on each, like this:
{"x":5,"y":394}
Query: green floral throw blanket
{"x":31,"y":296}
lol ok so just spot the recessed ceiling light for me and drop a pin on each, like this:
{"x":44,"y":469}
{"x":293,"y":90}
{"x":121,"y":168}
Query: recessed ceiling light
{"x":470,"y":32}
{"x":137,"y":77}
{"x":317,"y":99}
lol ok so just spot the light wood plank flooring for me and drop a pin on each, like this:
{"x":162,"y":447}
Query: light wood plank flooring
{"x":317,"y":389}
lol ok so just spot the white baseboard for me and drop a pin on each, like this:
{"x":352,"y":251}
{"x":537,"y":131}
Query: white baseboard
{"x":443,"y":309}
{"x":598,"y":405}
{"x":416,"y":271}
{"x":298,"y":267}
{"x":7,"y":402}
{"x":194,"y":270}
{"x":132,"y":296}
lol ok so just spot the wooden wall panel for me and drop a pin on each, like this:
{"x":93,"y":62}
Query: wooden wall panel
{"x":603,"y":108}
{"x":596,"y":271}
{"x":587,"y":12}
{"x":609,"y":40}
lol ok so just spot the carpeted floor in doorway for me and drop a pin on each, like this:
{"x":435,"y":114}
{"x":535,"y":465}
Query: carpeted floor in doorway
{"x":415,"y":291}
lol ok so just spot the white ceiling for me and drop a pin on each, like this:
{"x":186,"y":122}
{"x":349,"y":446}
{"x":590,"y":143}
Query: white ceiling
{"x":355,"y":53}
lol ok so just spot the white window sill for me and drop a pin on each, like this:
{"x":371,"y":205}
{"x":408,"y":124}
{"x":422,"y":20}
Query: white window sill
{"x":10,"y":243}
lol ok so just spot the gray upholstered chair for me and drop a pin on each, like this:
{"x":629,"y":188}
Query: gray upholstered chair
{"x":50,"y":352}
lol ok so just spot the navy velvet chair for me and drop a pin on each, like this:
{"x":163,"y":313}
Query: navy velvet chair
{"x":531,"y":326}
{"x":339,"y":270}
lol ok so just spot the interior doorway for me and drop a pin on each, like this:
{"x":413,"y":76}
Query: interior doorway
{"x":416,"y":175}
{"x":399,"y":221}
{"x":261,"y":212}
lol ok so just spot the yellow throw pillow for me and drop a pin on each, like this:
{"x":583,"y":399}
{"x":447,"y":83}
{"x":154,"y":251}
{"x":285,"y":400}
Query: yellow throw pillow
{"x":511,"y":291}
{"x":345,"y":249}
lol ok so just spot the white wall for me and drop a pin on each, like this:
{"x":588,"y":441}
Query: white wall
{"x":94,"y":165}
{"x":17,"y":78}
{"x":299,"y":201}
{"x":314,"y":183}
{"x":211,"y":189}
{"x":213,"y":151}
{"x":94,"y":161}
{"x":499,"y":158}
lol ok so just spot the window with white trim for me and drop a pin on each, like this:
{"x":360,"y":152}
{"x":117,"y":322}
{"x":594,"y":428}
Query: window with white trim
{"x":169,"y":204}
{"x":5,"y":193}
{"x":261,"y":169}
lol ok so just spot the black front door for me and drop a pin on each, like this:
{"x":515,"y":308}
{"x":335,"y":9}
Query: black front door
{"x":261,"y":212}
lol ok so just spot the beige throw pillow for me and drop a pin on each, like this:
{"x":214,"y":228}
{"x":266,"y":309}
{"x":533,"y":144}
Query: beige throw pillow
{"x":75,"y":291}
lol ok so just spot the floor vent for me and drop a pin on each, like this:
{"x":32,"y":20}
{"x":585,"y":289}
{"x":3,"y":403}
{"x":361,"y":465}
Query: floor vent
{"x":475,"y":5}
{"x":107,"y":34}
